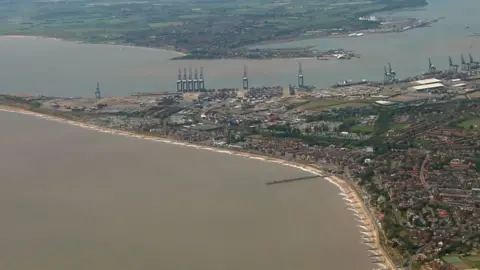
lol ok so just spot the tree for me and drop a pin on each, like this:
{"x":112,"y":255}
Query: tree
{"x":477,"y":165}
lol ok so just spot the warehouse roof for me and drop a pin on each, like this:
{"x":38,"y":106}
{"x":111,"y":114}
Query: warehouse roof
{"x":427,"y":81}
{"x":384,"y":102}
{"x":428,"y":86}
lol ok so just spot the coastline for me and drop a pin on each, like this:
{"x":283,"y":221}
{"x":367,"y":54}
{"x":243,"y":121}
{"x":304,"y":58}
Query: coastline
{"x":179,"y":55}
{"x":366,"y":32}
{"x":367,"y":223}
{"x":86,"y":43}
{"x":339,"y":36}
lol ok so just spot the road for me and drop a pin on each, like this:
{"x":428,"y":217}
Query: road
{"x":422,"y":176}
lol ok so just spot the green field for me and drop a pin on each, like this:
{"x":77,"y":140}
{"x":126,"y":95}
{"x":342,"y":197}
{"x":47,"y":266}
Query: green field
{"x":474,"y":261}
{"x":328,"y":104}
{"x":475,"y":123}
{"x":463,"y":263}
{"x":400,"y":126}
{"x":452,"y":259}
{"x":362,"y":129}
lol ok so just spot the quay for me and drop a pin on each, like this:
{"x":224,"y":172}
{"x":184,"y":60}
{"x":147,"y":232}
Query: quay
{"x":158,"y":93}
{"x":292,"y":180}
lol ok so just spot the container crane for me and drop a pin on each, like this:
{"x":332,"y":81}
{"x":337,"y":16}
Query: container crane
{"x":452,"y":67}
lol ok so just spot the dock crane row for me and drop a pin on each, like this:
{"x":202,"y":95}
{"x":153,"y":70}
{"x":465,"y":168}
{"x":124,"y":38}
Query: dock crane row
{"x":191,"y":82}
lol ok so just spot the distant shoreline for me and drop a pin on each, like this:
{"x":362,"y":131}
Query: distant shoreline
{"x":342,"y":36}
{"x":87,"y":43}
{"x":366,"y":32}
{"x":346,"y":190}
{"x":180,"y":56}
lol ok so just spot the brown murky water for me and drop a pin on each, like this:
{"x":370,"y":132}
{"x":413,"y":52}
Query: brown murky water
{"x":76,"y":199}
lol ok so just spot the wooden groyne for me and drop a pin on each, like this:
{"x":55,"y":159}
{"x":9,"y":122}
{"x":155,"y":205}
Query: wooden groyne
{"x":292,"y":179}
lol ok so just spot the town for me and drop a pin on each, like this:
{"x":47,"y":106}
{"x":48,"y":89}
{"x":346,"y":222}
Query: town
{"x":409,"y":147}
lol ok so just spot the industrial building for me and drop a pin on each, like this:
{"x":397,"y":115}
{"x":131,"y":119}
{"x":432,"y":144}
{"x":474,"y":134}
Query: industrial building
{"x":385,"y":103}
{"x":459,"y":85}
{"x":428,"y":87}
{"x":427,"y":81}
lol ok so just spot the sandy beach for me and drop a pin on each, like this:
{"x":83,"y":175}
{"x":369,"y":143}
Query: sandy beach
{"x":366,"y":218}
{"x":354,"y":202}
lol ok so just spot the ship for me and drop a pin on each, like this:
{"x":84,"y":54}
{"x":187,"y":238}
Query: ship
{"x":349,"y":83}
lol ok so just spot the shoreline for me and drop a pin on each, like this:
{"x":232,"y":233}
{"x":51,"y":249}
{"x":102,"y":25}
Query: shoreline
{"x":87,"y":43}
{"x":366,"y":32}
{"x":355,"y":202}
{"x":339,"y":36}
{"x":179,"y":54}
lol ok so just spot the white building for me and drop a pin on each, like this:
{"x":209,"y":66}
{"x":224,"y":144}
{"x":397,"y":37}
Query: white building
{"x":427,"y":81}
{"x":428,"y":87}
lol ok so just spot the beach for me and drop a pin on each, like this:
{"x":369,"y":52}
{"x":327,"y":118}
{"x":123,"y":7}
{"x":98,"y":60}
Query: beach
{"x":352,"y":200}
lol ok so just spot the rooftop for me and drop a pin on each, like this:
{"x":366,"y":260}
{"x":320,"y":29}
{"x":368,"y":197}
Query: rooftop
{"x":428,"y":86}
{"x":384,"y":102}
{"x":427,"y":81}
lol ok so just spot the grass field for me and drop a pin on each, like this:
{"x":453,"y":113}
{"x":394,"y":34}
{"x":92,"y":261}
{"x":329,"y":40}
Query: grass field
{"x":452,"y":259}
{"x":463,"y":263}
{"x":474,"y":261}
{"x":362,"y":129}
{"x":400,"y":126}
{"x":475,"y":122}
{"x":475,"y":258}
{"x":328,"y":104}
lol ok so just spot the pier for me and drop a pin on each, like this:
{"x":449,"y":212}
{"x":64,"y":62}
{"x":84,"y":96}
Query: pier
{"x":292,"y":180}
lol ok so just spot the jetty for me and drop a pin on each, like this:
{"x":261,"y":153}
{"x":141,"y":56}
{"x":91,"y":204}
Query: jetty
{"x":292,"y":180}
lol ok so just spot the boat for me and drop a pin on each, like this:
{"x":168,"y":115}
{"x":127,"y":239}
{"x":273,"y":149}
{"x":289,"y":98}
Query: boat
{"x":349,"y":83}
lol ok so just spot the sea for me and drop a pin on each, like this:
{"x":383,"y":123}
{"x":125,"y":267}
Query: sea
{"x":72,"y":198}
{"x":53,"y":67}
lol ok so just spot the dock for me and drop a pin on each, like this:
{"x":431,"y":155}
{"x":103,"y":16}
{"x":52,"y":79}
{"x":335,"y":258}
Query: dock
{"x":159,"y":93}
{"x":292,"y":180}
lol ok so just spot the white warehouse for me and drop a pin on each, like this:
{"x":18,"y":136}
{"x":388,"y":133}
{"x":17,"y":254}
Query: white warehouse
{"x":428,"y":87}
